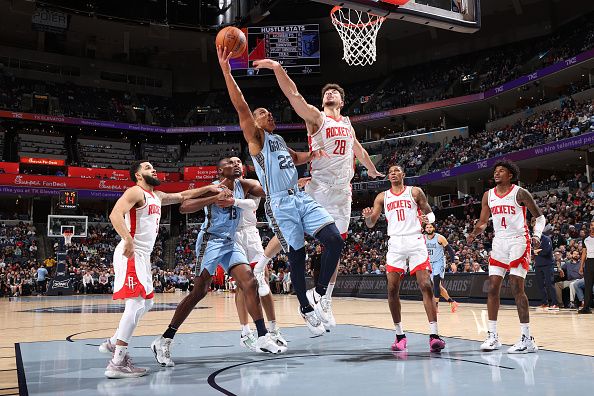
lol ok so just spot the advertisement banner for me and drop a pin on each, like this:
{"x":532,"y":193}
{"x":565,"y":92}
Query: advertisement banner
{"x":98,"y":173}
{"x":203,"y":173}
{"x":43,"y":161}
{"x":9,"y":167}
{"x":45,"y":185}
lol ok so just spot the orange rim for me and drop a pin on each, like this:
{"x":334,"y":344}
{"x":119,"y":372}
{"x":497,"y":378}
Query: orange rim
{"x":379,"y":19}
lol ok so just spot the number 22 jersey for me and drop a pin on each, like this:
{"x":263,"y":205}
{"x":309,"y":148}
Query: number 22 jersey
{"x":274,"y":165}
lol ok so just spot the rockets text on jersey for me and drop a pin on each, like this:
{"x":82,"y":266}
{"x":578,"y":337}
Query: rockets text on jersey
{"x":509,"y":217}
{"x":402,"y":213}
{"x":336,"y":137}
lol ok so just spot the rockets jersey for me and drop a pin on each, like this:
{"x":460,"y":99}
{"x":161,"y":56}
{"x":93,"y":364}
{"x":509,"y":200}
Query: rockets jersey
{"x":274,"y":165}
{"x":248,"y":217}
{"x":401,"y":213}
{"x":336,"y":138}
{"x":223,"y":222}
{"x":509,"y":217}
{"x":143,"y":223}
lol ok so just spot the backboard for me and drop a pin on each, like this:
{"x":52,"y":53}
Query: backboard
{"x":57,"y":223}
{"x":457,"y":15}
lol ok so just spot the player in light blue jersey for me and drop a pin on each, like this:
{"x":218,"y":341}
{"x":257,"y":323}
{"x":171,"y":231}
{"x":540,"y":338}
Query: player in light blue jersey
{"x":290,"y":212}
{"x":436,"y":245}
{"x":216,"y":245}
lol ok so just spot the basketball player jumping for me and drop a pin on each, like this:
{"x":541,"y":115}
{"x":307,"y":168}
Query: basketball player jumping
{"x":406,"y":208}
{"x":436,"y":244}
{"x":328,"y":130}
{"x":291,"y":213}
{"x":506,"y":204}
{"x":215,"y":246}
{"x":135,"y":217}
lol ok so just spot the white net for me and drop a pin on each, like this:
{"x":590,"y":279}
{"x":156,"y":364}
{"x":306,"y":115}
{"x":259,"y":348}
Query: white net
{"x":67,"y":237}
{"x":358,"y":31}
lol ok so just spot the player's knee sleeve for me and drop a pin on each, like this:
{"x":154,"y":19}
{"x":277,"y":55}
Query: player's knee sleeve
{"x":135,"y":308}
{"x":148,"y":305}
{"x":331,"y":238}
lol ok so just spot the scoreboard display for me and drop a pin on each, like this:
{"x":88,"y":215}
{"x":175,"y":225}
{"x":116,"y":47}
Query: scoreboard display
{"x":296,"y":47}
{"x":68,"y":200}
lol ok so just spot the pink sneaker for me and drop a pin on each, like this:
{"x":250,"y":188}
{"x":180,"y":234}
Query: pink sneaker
{"x":436,"y":344}
{"x":399,"y":345}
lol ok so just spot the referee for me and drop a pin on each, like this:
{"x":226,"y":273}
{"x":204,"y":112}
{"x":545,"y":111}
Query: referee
{"x":587,"y":270}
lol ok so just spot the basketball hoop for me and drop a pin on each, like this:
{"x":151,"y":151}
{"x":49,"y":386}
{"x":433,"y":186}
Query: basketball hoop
{"x":358,"y":31}
{"x":67,"y":234}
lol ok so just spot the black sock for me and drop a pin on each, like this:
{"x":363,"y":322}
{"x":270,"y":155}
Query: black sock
{"x":306,"y":309}
{"x":170,"y":332}
{"x":433,"y":336}
{"x":450,"y":300}
{"x":400,"y":336}
{"x":261,"y":327}
{"x":297,"y":262}
{"x":333,"y":243}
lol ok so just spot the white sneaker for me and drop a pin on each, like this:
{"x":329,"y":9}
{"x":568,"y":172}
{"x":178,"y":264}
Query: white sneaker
{"x":278,"y":337}
{"x":313,"y":322}
{"x":266,"y":344}
{"x":124,"y":370}
{"x":161,"y":348}
{"x":248,"y":341}
{"x":263,"y":287}
{"x":323,"y":307}
{"x":525,"y":345}
{"x":491,"y":343}
{"x":107,"y":347}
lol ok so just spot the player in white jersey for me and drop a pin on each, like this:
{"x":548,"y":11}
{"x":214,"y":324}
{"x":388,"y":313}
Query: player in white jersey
{"x":507,"y":204}
{"x":136,"y":217}
{"x":247,"y":237}
{"x":406,"y":208}
{"x":328,"y":131}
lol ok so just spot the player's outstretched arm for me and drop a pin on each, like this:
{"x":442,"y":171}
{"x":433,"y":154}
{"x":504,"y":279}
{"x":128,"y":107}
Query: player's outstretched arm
{"x":175,"y":198}
{"x":526,"y":199}
{"x":307,"y":112}
{"x":193,"y":205}
{"x":371,"y":215}
{"x":302,"y":157}
{"x":481,"y":224}
{"x":251,"y":132}
{"x":124,"y":204}
{"x":363,"y":156}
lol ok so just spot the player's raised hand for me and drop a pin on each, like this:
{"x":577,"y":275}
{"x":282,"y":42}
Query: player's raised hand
{"x":224,"y":57}
{"x":367,"y":212}
{"x":266,"y":64}
{"x":374,"y":173}
{"x":536,"y":242}
{"x":470,"y":238}
{"x":301,"y":183}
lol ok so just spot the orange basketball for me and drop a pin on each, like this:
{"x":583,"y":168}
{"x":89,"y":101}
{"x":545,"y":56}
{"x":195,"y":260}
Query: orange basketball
{"x":232,"y":38}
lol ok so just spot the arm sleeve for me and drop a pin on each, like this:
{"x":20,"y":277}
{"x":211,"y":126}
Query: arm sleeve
{"x":451,"y":253}
{"x":247,"y":204}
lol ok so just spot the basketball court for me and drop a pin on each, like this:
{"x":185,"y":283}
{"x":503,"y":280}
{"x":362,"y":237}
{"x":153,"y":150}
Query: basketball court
{"x":50,"y":347}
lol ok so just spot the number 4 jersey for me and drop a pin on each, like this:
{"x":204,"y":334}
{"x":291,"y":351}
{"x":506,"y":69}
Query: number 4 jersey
{"x":509,"y":217}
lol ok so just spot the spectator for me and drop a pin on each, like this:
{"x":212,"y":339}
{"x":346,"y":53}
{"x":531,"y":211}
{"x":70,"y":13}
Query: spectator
{"x":587,"y":270}
{"x":544,"y":266}
{"x":570,"y":273}
{"x":41,"y":279}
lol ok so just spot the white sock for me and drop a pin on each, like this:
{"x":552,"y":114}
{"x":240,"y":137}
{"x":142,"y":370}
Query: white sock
{"x":245,"y":329}
{"x":114,"y":338}
{"x":329,"y":290}
{"x":119,"y":354}
{"x":433,"y":328}
{"x":492,"y":326}
{"x":261,"y":264}
{"x":525,"y":328}
{"x":272,"y":325}
{"x":398,"y":327}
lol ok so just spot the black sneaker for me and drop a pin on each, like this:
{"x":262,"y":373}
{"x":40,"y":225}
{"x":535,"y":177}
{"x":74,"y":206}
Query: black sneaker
{"x":585,"y":311}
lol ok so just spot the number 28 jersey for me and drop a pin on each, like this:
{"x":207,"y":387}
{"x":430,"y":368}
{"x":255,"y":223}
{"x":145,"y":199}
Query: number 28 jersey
{"x":274,"y":165}
{"x":402,"y":213}
{"x":336,"y":137}
{"x":509,"y":217}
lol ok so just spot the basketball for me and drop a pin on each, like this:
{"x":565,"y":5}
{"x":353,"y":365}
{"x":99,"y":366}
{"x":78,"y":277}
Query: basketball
{"x":232,"y":38}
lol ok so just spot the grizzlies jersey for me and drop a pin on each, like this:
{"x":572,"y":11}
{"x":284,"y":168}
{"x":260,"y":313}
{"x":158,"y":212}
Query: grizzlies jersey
{"x":274,"y":165}
{"x":436,"y":254}
{"x":223,"y":222}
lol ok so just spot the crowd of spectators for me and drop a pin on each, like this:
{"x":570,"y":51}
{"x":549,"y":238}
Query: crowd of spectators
{"x":18,"y":259}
